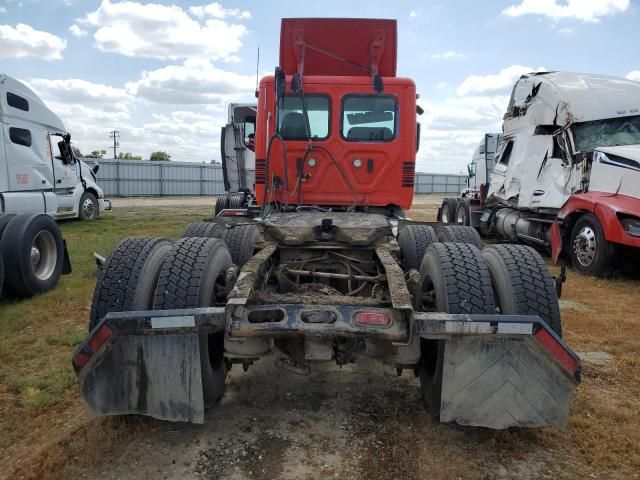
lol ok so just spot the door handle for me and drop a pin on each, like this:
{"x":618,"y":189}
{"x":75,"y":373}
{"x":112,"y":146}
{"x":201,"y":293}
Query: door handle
{"x":59,"y":180}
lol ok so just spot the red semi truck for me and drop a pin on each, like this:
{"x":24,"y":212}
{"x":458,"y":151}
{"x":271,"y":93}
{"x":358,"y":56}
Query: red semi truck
{"x":322,"y":265}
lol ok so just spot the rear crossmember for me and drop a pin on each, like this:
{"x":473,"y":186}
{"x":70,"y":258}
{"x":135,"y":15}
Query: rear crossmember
{"x":498,"y":370}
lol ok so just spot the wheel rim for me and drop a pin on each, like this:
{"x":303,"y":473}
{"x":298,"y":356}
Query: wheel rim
{"x":44,"y":255}
{"x":88,"y":208}
{"x":584,"y":246}
{"x":445,"y":214}
{"x":461,"y":216}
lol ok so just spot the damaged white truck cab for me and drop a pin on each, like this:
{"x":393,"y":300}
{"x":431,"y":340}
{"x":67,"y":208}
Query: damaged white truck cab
{"x":567,"y":171}
{"x":39,"y":172}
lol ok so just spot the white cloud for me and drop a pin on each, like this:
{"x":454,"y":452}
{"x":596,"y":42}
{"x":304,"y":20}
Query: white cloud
{"x":77,"y":91}
{"x":194,"y":82}
{"x":76,"y":31}
{"x":584,"y":10}
{"x":448,"y":55}
{"x":413,"y":14}
{"x":494,"y":83}
{"x":453,"y":127}
{"x":161,"y":31}
{"x":565,"y":31}
{"x":3,"y":9}
{"x":24,"y":41}
{"x":216,"y":10}
{"x":634,"y":75}
{"x":442,"y":85}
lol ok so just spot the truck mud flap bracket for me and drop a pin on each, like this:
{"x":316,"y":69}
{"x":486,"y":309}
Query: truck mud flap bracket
{"x":502,"y":371}
{"x":146,"y":363}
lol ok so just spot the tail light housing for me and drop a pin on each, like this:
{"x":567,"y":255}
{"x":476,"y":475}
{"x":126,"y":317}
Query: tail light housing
{"x":372,"y":319}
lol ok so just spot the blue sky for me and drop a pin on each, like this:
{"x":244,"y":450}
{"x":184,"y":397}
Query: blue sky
{"x":163,"y":72}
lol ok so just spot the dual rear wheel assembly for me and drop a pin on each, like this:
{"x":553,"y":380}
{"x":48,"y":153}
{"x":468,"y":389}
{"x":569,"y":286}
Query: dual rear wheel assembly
{"x":144,"y":273}
{"x":32,"y":254}
{"x":461,"y":278}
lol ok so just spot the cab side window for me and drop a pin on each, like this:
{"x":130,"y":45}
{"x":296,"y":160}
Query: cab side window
{"x":16,"y":101}
{"x":20,"y":136}
{"x":505,"y":155}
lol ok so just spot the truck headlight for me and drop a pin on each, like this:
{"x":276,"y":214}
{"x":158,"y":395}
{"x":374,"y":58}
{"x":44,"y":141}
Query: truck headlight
{"x":630,"y":224}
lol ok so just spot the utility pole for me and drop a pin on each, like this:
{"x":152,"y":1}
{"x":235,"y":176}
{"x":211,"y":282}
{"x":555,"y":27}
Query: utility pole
{"x":115,"y":135}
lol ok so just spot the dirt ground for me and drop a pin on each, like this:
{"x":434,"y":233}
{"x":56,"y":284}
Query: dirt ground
{"x":362,"y":421}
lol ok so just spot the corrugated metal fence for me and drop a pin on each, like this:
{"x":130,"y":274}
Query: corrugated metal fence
{"x":127,"y":178}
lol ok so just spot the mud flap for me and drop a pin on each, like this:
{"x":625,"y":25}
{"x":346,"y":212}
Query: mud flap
{"x":503,"y":382}
{"x":155,"y":375}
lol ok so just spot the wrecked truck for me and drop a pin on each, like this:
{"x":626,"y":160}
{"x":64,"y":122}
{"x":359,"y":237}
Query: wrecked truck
{"x":566,"y":174}
{"x":329,"y":269}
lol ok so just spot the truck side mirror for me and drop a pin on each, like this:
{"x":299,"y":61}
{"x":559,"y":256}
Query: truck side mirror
{"x":280,"y":82}
{"x":417,"y":136}
{"x":471,"y":169}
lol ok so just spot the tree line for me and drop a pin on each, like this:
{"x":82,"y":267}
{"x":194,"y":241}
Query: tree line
{"x":159,"y":156}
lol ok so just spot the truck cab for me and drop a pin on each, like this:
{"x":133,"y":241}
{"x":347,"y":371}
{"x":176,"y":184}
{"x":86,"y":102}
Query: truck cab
{"x":335,"y":127}
{"x":40,"y":173}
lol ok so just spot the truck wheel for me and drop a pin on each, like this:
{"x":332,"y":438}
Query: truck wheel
{"x":5,"y":218}
{"x":193,"y":276}
{"x":522,"y":284}
{"x":463,"y":213}
{"x":459,"y":234}
{"x":89,"y":207}
{"x":454,"y":280}
{"x":221,"y":204}
{"x":590,"y":252}
{"x":128,"y":280}
{"x":236,"y":200}
{"x":33,"y":254}
{"x":204,"y":229}
{"x":241,"y":241}
{"x":448,"y":210}
{"x":413,"y":241}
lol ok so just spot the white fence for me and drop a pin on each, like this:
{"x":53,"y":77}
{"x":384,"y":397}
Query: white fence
{"x":128,"y":178}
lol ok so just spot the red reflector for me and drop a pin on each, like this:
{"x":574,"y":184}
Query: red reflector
{"x":557,"y":350}
{"x":372,"y":318}
{"x":234,"y":213}
{"x":80,"y":360}
{"x":98,"y":338}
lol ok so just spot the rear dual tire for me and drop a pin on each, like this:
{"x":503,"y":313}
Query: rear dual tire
{"x":448,"y":210}
{"x":454,"y":279}
{"x":193,"y":276}
{"x":459,"y":234}
{"x":128,"y":280}
{"x":522,"y":284}
{"x":33,"y":252}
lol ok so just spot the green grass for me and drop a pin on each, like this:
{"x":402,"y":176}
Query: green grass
{"x":38,"y":335}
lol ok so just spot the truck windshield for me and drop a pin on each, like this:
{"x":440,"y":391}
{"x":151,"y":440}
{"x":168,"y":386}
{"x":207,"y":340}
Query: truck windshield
{"x":369,"y":118}
{"x":291,"y":118}
{"x":606,"y":133}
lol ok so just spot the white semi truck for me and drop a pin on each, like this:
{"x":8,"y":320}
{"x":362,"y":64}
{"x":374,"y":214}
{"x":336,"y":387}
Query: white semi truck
{"x":567,"y":171}
{"x":237,"y":145}
{"x":38,"y":171}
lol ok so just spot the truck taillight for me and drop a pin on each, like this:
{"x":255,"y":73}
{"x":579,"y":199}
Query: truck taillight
{"x":99,"y":337}
{"x":378,"y":319}
{"x":83,"y":354}
{"x":557,"y":350}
